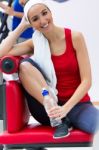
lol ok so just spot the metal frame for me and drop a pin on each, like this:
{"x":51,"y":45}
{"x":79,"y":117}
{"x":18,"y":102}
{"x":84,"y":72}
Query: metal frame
{"x":1,"y":103}
{"x":15,"y":146}
{"x":1,"y":147}
{"x":1,"y":96}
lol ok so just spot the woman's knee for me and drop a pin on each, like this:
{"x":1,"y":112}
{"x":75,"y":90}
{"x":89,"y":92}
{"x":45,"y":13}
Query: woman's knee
{"x":88,"y":124}
{"x":23,"y":68}
{"x":87,"y":127}
{"x":87,"y":118}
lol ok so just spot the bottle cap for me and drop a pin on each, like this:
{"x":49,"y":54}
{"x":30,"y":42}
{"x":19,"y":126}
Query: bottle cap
{"x":45,"y":92}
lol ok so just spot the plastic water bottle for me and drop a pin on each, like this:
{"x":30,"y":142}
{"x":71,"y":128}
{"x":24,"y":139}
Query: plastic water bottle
{"x":49,"y":102}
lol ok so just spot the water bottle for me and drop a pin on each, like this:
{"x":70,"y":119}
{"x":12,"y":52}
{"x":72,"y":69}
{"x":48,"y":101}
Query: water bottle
{"x":49,"y":102}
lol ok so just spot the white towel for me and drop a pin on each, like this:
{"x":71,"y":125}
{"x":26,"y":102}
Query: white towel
{"x":42,"y":56}
{"x":30,"y":3}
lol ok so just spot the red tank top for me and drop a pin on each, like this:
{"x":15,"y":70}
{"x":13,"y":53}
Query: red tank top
{"x":67,"y":71}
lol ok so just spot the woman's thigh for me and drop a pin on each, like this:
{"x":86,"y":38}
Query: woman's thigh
{"x":85,"y":117}
{"x":33,"y":63}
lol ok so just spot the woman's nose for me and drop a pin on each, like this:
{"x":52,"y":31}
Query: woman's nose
{"x":42,"y":21}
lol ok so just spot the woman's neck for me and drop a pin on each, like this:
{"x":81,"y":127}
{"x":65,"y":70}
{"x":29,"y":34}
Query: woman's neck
{"x":55,"y":34}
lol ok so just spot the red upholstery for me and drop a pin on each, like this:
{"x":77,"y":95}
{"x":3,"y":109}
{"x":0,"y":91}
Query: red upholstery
{"x":42,"y":134}
{"x":17,"y":114}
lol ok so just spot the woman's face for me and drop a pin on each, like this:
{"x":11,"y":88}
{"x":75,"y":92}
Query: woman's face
{"x":22,"y":2}
{"x":40,"y":18}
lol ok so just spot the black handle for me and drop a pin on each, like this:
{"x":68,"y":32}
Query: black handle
{"x":8,"y":65}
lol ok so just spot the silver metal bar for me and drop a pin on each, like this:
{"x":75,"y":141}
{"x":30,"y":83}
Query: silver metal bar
{"x":1,"y":78}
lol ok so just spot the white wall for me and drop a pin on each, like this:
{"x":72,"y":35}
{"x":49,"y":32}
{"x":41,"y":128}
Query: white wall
{"x":82,"y":15}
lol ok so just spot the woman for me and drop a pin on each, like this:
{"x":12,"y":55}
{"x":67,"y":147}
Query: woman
{"x":72,"y":77}
{"x":18,"y":8}
{"x":17,"y":12}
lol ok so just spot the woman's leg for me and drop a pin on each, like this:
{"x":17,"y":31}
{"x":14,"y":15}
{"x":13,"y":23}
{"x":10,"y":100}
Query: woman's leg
{"x":85,"y":117}
{"x":32,"y":79}
{"x":36,"y":109}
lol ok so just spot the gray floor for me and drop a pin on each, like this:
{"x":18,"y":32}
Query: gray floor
{"x":1,"y":126}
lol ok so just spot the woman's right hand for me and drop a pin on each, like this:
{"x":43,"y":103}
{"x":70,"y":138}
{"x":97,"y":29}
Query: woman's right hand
{"x":25,"y":22}
{"x":7,"y":9}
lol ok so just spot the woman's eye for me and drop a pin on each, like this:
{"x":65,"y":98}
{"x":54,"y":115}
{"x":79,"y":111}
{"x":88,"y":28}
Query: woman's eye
{"x":35,"y":19}
{"x":44,"y":13}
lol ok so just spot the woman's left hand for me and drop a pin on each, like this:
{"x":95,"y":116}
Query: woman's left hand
{"x":57,"y":112}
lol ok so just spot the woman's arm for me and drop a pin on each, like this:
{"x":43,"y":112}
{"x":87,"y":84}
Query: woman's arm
{"x":8,"y":45}
{"x":17,"y":14}
{"x":10,"y":11}
{"x":84,"y":68}
{"x":24,"y":48}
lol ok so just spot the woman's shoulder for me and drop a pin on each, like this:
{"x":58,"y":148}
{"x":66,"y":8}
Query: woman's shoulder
{"x":76,"y":35}
{"x":77,"y":38}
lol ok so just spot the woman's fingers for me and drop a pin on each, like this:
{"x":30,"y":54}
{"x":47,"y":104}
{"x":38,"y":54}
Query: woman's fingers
{"x":57,"y":112}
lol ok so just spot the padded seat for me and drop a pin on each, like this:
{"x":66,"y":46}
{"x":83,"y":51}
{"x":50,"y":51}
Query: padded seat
{"x":35,"y":133}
